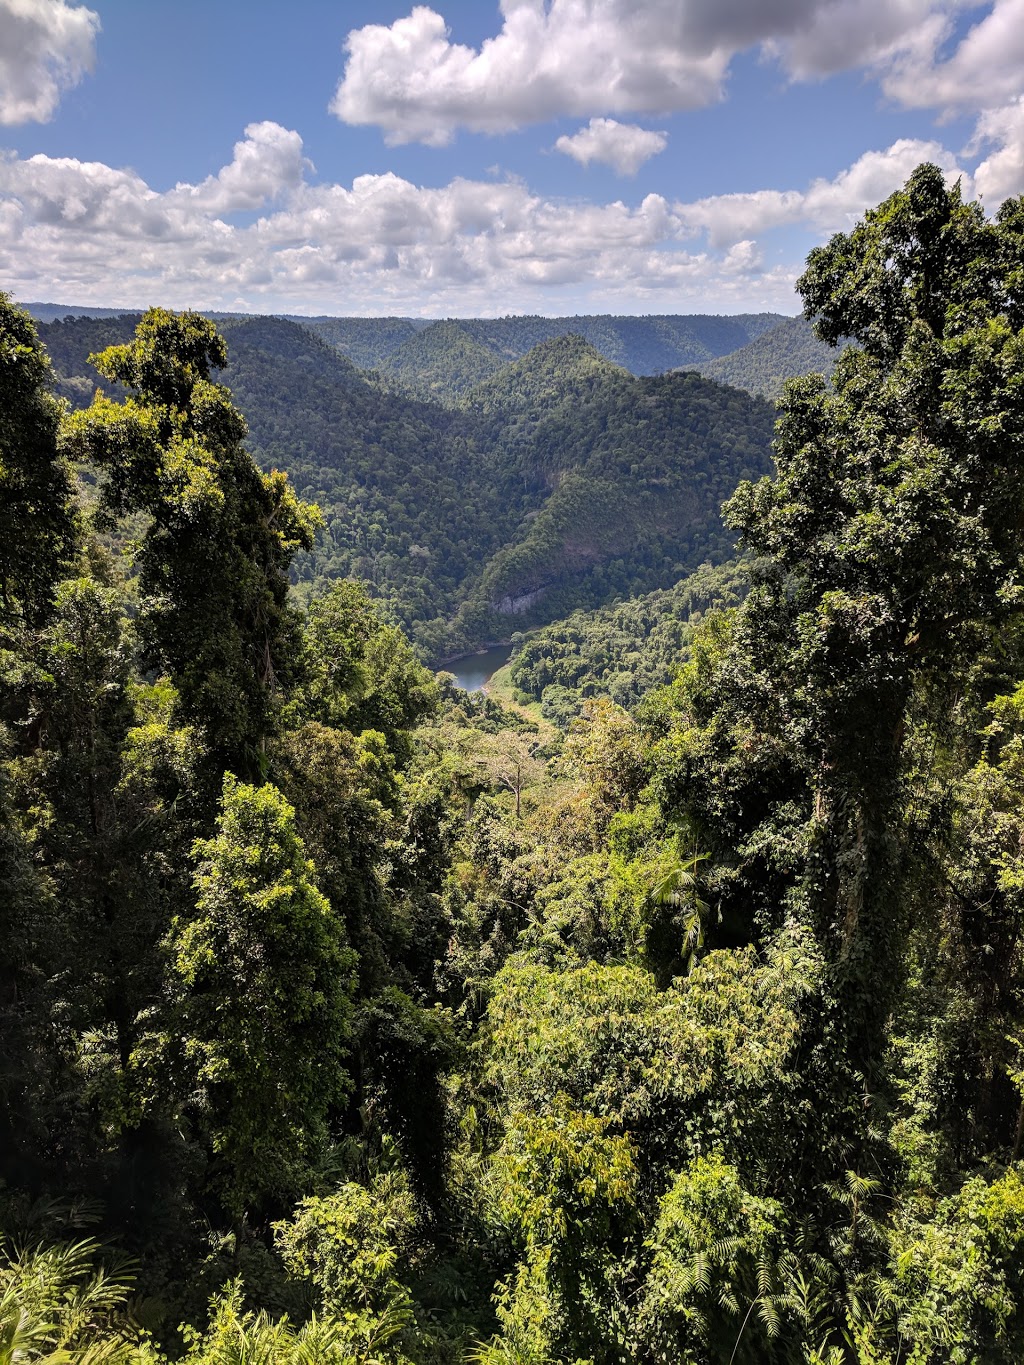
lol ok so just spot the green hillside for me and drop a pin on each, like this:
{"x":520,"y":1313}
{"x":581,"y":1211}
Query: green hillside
{"x":558,"y":373}
{"x":559,"y":482}
{"x":440,"y":363}
{"x":638,"y":469}
{"x":413,"y":500}
{"x":623,"y":651}
{"x":364,"y":341}
{"x":785,"y":351}
{"x":642,"y":345}
{"x":451,"y":355}
{"x":71,"y":340}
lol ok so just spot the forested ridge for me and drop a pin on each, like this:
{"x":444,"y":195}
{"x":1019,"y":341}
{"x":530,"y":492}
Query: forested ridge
{"x":348,"y":1018}
{"x":763,"y":366}
{"x":642,"y":345}
{"x":623,"y":651}
{"x":559,"y":480}
{"x":441,"y":361}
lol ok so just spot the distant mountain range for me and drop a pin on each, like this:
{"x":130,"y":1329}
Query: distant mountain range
{"x":56,"y":312}
{"x":441,"y":361}
{"x":642,"y":345}
{"x":554,"y":481}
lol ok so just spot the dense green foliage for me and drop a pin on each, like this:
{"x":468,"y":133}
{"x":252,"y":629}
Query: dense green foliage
{"x":200,"y":974}
{"x":364,"y":341}
{"x":440,"y":363}
{"x":212,"y":561}
{"x":692,"y":1034}
{"x":560,"y":482}
{"x":642,"y":345}
{"x":787,"y":351}
{"x":37,"y":524}
{"x":623,"y":651}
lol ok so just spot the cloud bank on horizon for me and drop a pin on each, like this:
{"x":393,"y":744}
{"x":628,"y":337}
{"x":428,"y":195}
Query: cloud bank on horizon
{"x":264,"y":233}
{"x":396,"y":241}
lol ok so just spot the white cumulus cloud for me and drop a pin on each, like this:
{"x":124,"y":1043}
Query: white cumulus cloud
{"x":46,"y":46}
{"x":603,"y":57}
{"x":265,"y":164}
{"x":623,"y":146}
{"x":1001,"y":174}
{"x":825,"y":205}
{"x":572,"y":57}
{"x":985,"y":69}
{"x":744,"y":258}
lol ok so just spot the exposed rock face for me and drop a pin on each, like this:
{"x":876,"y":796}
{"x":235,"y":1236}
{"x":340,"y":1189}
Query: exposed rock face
{"x":514,"y":606}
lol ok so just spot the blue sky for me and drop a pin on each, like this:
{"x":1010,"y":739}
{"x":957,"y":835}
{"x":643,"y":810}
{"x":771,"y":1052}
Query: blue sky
{"x":458,"y":159}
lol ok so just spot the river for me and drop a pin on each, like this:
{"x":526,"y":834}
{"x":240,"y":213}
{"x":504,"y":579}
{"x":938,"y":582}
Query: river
{"x":474,"y":671}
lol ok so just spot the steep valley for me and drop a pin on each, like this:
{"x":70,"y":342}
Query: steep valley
{"x":556,"y":481}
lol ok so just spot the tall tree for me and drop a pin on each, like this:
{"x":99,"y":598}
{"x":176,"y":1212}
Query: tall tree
{"x":889,"y":548}
{"x":37,"y":520}
{"x":38,"y":545}
{"x":264,"y":981}
{"x":219,"y":536}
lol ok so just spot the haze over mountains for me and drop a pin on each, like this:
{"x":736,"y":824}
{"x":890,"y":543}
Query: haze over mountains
{"x":643,"y":345}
